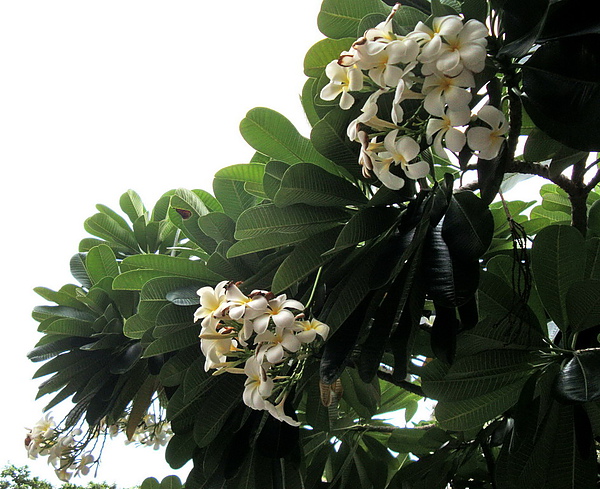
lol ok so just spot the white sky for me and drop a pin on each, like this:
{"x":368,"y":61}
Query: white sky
{"x":97,"y":97}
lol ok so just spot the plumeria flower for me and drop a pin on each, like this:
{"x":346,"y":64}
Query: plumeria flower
{"x":369,"y":117}
{"x":214,"y":348}
{"x":273,"y":346}
{"x":403,"y":92}
{"x":384,"y":71}
{"x":342,"y":81}
{"x":239,"y":305}
{"x":400,"y":152}
{"x":85,"y":464}
{"x":486,"y":142}
{"x":258,"y":385}
{"x":307,"y":331}
{"x":44,"y":428}
{"x":465,"y":49}
{"x":279,"y":312}
{"x":278,"y":413}
{"x":441,"y":90}
{"x":431,"y":39}
{"x":211,"y":302}
{"x":445,"y":130}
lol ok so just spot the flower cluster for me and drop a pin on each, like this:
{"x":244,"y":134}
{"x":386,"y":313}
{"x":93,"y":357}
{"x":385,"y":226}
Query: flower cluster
{"x":150,"y":432}
{"x":62,"y":449}
{"x":267,"y":334}
{"x":434,"y":64}
{"x":68,"y":450}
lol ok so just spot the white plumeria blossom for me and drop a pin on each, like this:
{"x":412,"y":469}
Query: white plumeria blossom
{"x":465,"y":49}
{"x":274,"y":346}
{"x":280,"y":338}
{"x":241,"y":306}
{"x":431,"y":39}
{"x":211,"y":302}
{"x":487,"y":142}
{"x":441,"y":90}
{"x":258,"y":386}
{"x":445,"y":131}
{"x":279,"y":312}
{"x":278,"y":413}
{"x":308,"y":330}
{"x":369,"y":117}
{"x":342,"y":81}
{"x":400,"y":152}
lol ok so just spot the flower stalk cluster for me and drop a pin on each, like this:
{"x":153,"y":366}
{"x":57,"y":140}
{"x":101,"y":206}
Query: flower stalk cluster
{"x":63,"y":450}
{"x":434,"y":64}
{"x":260,"y":335}
{"x":68,"y":450}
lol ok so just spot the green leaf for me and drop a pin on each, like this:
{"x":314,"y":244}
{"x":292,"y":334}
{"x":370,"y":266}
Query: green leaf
{"x":171,"y":482}
{"x":105,"y":227}
{"x":338,"y":19}
{"x":150,"y":483}
{"x":135,"y":326}
{"x":322,"y":53}
{"x":269,"y":218}
{"x":475,"y":9}
{"x":272,"y":134}
{"x":154,"y":293}
{"x":306,"y":258}
{"x":468,"y":226}
{"x":583,"y":304}
{"x":101,"y":262}
{"x":272,"y":240}
{"x":308,"y":184}
{"x":479,"y":374}
{"x":172,"y":265}
{"x":173,"y":341}
{"x":132,"y":205}
{"x":307,"y":101}
{"x":362,"y":397}
{"x":474,"y":412}
{"x":579,"y":379}
{"x":557,"y":263}
{"x":561,"y":101}
{"x":367,"y":224}
{"x":329,"y":138}
{"x":70,"y":327}
{"x":225,"y":395}
{"x":218,"y":225}
{"x":272,"y":179}
{"x":233,"y":196}
{"x":245,"y":172}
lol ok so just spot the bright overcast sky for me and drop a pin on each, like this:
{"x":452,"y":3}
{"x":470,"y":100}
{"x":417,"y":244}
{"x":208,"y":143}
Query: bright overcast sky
{"x":97,"y":97}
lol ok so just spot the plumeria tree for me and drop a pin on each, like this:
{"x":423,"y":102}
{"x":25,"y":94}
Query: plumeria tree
{"x":266,"y":332}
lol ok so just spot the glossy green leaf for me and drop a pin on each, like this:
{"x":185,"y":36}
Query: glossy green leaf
{"x":308,"y":184}
{"x":132,"y":205}
{"x":338,"y":19}
{"x":272,"y":134}
{"x":304,"y":259}
{"x":322,"y":53}
{"x":557,"y":263}
{"x":269,"y":218}
{"x":104,"y":227}
{"x":232,"y":196}
{"x":579,"y":379}
{"x":329,"y":137}
{"x":101,"y":262}
{"x":565,"y":102}
{"x":367,"y":224}
{"x":173,"y":341}
{"x":583,"y":304}
{"x":171,"y":265}
{"x":273,"y":240}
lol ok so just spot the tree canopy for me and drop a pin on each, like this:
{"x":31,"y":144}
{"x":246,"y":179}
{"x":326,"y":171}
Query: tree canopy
{"x":263,"y":331}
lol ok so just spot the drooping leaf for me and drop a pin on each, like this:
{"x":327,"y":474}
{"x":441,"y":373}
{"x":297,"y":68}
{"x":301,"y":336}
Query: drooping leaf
{"x":557,"y":263}
{"x":562,"y":91}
